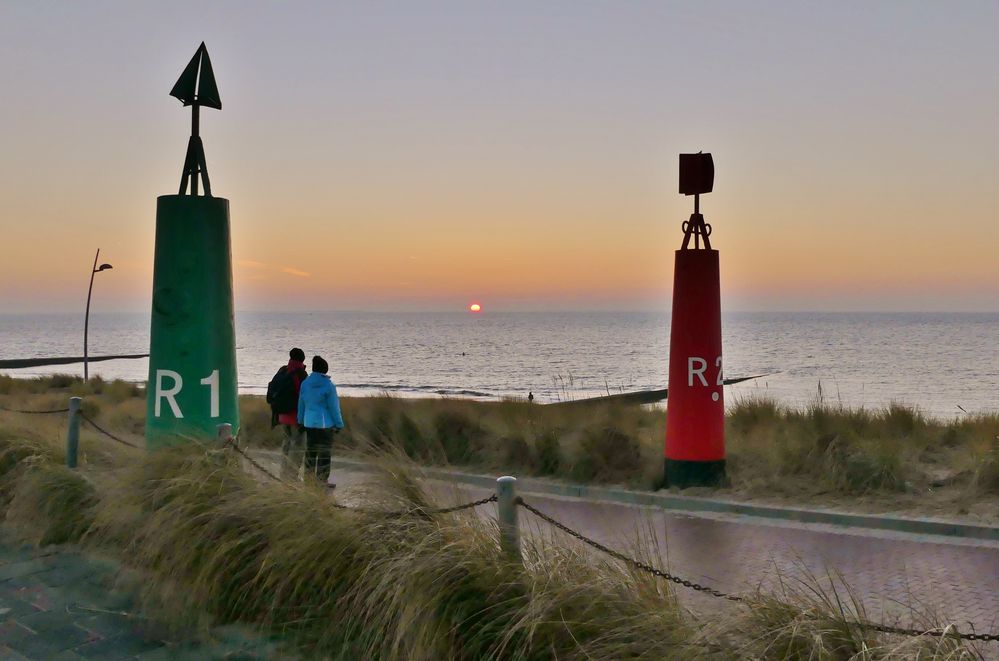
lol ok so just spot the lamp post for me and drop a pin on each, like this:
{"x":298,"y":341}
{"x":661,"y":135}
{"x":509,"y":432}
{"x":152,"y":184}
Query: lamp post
{"x":86,"y":319}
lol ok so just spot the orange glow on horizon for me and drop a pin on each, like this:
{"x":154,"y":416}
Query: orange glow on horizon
{"x":475,"y":307}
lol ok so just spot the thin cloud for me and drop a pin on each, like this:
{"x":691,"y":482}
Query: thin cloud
{"x":264,"y":266}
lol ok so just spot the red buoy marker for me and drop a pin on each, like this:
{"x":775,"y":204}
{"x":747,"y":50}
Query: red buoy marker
{"x":695,"y":408}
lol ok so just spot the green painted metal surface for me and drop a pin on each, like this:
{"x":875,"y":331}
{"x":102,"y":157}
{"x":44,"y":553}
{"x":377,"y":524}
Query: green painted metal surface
{"x":192,"y":346}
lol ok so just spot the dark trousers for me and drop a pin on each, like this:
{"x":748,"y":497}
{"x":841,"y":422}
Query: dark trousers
{"x":318,"y":450}
{"x":293,"y":449}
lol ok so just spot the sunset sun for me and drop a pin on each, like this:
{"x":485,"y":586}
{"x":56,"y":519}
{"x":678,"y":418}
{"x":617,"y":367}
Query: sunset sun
{"x":475,"y":307}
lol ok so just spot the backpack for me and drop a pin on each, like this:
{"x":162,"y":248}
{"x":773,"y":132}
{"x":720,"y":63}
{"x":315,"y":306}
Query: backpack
{"x":281,"y":393}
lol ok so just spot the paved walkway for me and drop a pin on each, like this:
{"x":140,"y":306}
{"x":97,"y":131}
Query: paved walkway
{"x":59,"y":604}
{"x":899,"y":578}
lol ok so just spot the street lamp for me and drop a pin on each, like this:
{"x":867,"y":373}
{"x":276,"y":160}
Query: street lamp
{"x":86,"y":319}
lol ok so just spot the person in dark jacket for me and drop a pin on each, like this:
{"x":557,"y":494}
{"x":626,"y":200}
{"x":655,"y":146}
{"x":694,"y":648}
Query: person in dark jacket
{"x":319,"y":415}
{"x":293,"y":444}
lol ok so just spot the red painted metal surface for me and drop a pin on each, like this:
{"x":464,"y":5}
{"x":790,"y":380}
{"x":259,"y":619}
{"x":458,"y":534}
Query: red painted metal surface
{"x":695,"y":410}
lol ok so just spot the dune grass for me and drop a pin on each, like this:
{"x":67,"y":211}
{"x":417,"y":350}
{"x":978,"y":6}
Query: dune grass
{"x":216,"y":545}
{"x":889,"y":459}
{"x":894,"y":458}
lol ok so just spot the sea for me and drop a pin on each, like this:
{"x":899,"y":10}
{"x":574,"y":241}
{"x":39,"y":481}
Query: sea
{"x":945,"y":364}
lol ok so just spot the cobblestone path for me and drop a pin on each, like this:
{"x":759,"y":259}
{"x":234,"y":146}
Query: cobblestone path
{"x":59,"y":604}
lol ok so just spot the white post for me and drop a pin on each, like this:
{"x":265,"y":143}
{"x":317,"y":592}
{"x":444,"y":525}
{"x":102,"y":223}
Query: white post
{"x":224,"y":433}
{"x":506,"y":506}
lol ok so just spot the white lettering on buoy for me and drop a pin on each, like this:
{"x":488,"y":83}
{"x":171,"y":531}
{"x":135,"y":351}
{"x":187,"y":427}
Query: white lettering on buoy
{"x":698,"y":371}
{"x":169,"y":395}
{"x":212,"y":381}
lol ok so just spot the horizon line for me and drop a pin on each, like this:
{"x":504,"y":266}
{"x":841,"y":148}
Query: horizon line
{"x":487,"y":312}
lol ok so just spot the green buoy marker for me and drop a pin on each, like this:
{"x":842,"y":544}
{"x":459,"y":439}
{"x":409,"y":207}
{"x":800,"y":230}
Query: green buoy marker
{"x":192,"y":345}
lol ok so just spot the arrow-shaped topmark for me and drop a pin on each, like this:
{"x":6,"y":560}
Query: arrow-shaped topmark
{"x":196,"y":84}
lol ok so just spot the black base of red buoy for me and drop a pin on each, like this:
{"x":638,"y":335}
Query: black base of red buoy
{"x":683,"y":474}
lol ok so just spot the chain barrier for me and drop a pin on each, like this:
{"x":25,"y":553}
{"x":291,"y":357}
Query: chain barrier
{"x":457,"y":508}
{"x":231,"y":443}
{"x":107,"y":433}
{"x":7,"y":410}
{"x":637,"y":564}
{"x":424,"y":511}
{"x":938,"y":633}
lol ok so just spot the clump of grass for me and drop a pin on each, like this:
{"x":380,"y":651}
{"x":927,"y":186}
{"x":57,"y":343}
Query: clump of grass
{"x":49,"y":504}
{"x":458,"y":435}
{"x":857,"y":467}
{"x":903,"y":421}
{"x":546,"y":445}
{"x":62,"y":381}
{"x":410,"y":438}
{"x":14,"y":451}
{"x":606,"y":452}
{"x":379,"y":422}
{"x":986,"y":476}
{"x":749,"y":413}
{"x":812,"y":618}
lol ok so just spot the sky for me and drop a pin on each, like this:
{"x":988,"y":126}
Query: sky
{"x":425,"y":155}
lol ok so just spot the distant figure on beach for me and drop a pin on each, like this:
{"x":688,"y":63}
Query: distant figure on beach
{"x":319,"y":414}
{"x":282,"y":395}
{"x":530,"y":397}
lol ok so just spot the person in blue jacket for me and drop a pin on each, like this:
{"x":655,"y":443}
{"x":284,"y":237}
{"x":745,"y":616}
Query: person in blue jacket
{"x":319,"y":415}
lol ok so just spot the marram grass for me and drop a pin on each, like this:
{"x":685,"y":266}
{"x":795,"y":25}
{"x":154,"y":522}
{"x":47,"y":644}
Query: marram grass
{"x":821,"y":453}
{"x":215,"y":545}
